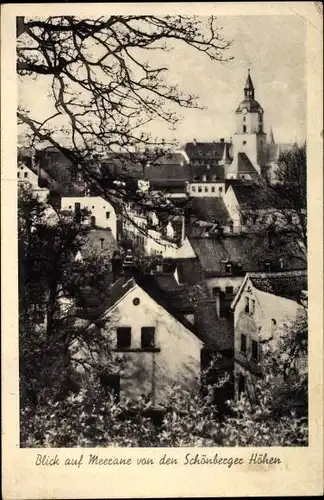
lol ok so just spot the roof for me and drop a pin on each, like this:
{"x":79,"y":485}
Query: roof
{"x":250,"y":104}
{"x":99,"y":242}
{"x":249,"y":84}
{"x":171,"y":158}
{"x":248,"y":252}
{"x":244,"y":165}
{"x":285,"y":284}
{"x":167,"y":172}
{"x":258,"y":197}
{"x":205,"y":150}
{"x":208,"y":209}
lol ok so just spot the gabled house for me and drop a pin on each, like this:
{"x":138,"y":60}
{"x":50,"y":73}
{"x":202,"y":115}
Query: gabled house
{"x":157,"y":350}
{"x":29,"y":179}
{"x":264,"y":308}
{"x":101,"y":213}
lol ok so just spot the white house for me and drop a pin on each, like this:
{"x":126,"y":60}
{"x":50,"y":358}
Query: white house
{"x":264,"y":308}
{"x":102,"y":212}
{"x":27,"y":178}
{"x":157,"y":350}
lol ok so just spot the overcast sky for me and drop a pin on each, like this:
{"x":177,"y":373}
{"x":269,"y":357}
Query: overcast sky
{"x":273,"y":47}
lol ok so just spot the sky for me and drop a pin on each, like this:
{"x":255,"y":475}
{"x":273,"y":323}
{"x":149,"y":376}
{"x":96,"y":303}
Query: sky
{"x":273,"y":47}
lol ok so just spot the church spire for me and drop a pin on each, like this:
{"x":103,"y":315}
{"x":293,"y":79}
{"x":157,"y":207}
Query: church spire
{"x":249,"y":89}
{"x":270,"y":137}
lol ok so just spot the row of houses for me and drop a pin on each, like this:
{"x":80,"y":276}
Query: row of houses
{"x":224,"y":272}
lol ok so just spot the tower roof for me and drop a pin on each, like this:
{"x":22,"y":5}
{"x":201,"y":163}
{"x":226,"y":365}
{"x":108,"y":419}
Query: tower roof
{"x":249,"y":84}
{"x":249,"y":102}
{"x":270,"y":137}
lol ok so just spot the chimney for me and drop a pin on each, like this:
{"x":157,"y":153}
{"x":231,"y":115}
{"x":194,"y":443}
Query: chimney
{"x":222,"y":139}
{"x":195,"y":142}
{"x":128,"y":264}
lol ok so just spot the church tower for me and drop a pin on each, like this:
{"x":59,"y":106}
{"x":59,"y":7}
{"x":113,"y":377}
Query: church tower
{"x":249,"y":137}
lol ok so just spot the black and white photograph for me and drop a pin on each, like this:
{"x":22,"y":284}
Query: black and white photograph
{"x":162,"y":231}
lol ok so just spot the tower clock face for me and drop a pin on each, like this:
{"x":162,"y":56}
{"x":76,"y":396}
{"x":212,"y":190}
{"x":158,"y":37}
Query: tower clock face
{"x":244,"y":111}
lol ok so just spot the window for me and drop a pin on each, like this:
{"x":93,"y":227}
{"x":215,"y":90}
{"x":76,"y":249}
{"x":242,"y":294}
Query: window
{"x":199,"y":189}
{"x":123,"y":337}
{"x":244,"y":129}
{"x":228,"y":268}
{"x":18,"y":174}
{"x":289,"y":218}
{"x":220,"y":189}
{"x":77,"y":207}
{"x":244,"y":143}
{"x":243,"y":343}
{"x":242,"y":176}
{"x":206,"y":189}
{"x":255,"y":350}
{"x":281,"y":263}
{"x":102,"y":243}
{"x":107,"y":215}
{"x":229,"y":290}
{"x":252,"y":306}
{"x":216,"y":290}
{"x":213,"y":189}
{"x":193,"y":189}
{"x":147,"y":337}
{"x":241,"y":384}
{"x":247,"y":305}
{"x":25,"y":174}
{"x":273,"y":323}
{"x":244,"y":119}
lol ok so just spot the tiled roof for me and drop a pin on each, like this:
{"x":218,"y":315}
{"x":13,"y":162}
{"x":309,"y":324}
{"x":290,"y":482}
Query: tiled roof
{"x":204,"y":150}
{"x":169,"y":172}
{"x":209,"y":209}
{"x":285,"y":284}
{"x":99,"y":242}
{"x":248,"y":250}
{"x":244,"y":166}
{"x":212,"y":172}
{"x":250,"y":196}
{"x":189,"y":271}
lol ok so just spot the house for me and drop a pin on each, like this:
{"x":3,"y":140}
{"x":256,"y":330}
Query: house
{"x":264,"y":307}
{"x":157,"y":350}
{"x":253,"y":207}
{"x":102,"y":212}
{"x":99,"y":243}
{"x":30,"y":180}
{"x":221,"y":261}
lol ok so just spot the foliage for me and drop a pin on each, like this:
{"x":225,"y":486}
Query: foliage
{"x":93,"y":418}
{"x":50,"y":285}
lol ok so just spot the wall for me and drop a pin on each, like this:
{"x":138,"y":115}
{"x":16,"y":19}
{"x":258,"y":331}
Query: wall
{"x":146,"y":373}
{"x":206,"y":189}
{"x":26,"y":177}
{"x":259,"y":327}
{"x":98,"y":208}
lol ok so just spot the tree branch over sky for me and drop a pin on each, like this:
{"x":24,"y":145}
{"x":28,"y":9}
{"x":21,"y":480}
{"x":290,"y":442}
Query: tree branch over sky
{"x":104,"y":75}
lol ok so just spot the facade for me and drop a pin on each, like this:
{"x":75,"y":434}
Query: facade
{"x":158,"y":351}
{"x":264,"y":308}
{"x":102,"y":213}
{"x":29,"y":179}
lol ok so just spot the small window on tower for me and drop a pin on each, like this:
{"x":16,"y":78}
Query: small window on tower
{"x":244,"y":142}
{"x":244,"y":129}
{"x":25,"y":174}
